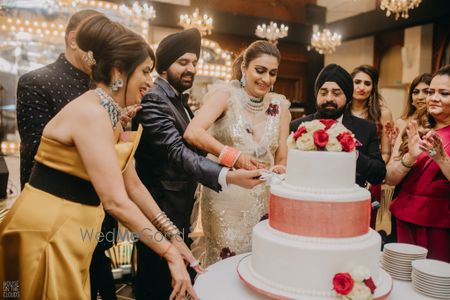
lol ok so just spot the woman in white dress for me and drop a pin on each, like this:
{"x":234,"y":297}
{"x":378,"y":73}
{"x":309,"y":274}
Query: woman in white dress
{"x":242,"y":124}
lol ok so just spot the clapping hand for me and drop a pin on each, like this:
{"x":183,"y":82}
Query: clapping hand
{"x":413,"y":139}
{"x":391,"y":132}
{"x":432,"y":144}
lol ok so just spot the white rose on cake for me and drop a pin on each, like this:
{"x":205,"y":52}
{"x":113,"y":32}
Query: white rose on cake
{"x":306,"y":142}
{"x":360,"y":292}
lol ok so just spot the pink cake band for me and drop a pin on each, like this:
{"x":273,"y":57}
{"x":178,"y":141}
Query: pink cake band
{"x":319,"y":219}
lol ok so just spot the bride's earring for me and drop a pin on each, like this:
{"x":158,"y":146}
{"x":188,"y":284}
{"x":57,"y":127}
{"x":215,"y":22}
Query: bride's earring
{"x":271,"y":88}
{"x":243,"y":80}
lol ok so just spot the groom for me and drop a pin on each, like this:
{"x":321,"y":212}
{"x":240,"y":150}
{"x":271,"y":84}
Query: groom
{"x":333,"y":89}
{"x":166,"y":164}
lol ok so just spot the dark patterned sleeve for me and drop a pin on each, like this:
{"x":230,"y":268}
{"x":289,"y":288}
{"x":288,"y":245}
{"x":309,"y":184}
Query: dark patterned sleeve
{"x":33,"y":113}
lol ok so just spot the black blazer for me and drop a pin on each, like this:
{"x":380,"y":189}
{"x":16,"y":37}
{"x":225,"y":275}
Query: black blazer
{"x":168,"y":166}
{"x":370,"y":166}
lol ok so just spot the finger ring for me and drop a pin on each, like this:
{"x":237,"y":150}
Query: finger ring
{"x":194,"y":263}
{"x":432,"y":152}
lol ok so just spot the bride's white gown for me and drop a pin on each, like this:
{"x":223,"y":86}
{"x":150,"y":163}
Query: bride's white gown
{"x":228,"y":217}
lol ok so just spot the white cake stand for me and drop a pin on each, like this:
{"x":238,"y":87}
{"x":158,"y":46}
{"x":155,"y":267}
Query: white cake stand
{"x":247,"y":276}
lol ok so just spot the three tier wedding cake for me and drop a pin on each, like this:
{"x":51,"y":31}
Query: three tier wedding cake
{"x":317,"y":243}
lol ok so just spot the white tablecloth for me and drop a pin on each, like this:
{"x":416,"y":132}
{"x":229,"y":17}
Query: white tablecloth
{"x":222,"y":282}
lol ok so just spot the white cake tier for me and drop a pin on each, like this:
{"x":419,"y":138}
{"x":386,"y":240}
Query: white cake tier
{"x":305,"y":266}
{"x":321,"y":170}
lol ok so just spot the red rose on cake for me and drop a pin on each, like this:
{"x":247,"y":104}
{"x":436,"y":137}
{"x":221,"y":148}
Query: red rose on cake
{"x":322,"y":135}
{"x":354,"y":285}
{"x":343,"y":283}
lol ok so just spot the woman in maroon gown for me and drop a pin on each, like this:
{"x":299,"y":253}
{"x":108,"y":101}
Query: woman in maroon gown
{"x":421,"y":162}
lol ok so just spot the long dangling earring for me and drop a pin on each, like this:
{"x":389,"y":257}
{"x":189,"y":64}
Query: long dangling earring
{"x":243,"y":80}
{"x":116,"y":85}
{"x":271,"y":88}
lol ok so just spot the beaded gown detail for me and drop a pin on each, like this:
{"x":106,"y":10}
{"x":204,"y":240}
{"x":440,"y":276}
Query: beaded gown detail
{"x":228,"y":217}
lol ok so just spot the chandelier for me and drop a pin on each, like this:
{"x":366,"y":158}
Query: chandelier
{"x":325,"y":41}
{"x":32,"y":32}
{"x":203,"y":23}
{"x":271,"y":33}
{"x":399,"y":7}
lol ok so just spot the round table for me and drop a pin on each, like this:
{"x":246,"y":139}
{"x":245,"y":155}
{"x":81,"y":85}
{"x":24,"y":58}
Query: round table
{"x":222,"y":282}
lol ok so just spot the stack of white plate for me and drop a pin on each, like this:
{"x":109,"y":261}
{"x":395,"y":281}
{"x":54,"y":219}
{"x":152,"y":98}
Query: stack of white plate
{"x":397,"y":258}
{"x":431,"y":278}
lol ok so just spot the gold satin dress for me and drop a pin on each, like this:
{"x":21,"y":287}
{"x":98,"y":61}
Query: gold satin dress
{"x":42,"y":249}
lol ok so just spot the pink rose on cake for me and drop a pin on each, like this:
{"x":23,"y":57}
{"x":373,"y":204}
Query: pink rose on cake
{"x":322,"y":135}
{"x":356,"y":285}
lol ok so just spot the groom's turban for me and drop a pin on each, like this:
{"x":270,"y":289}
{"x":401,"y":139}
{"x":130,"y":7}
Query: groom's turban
{"x":175,"y":45}
{"x":335,"y":73}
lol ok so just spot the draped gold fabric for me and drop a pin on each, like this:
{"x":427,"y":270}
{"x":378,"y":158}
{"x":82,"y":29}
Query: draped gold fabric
{"x":46,"y":242}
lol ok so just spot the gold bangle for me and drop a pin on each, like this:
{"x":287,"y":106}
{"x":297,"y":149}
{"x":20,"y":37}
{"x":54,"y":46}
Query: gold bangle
{"x":406,"y":164}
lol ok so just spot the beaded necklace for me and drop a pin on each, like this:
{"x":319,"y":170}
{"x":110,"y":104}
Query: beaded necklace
{"x":254,"y":104}
{"x":110,"y":105}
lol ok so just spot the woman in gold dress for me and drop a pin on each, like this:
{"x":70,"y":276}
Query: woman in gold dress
{"x":85,"y":162}
{"x":249,"y":126}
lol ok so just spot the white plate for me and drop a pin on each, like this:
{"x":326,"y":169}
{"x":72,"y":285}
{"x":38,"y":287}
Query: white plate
{"x":432,"y":282}
{"x":401,"y":257}
{"x":432,"y":289}
{"x":397,"y":270}
{"x":426,"y":285}
{"x":435,"y":268}
{"x":431,"y":293}
{"x":407,"y":249}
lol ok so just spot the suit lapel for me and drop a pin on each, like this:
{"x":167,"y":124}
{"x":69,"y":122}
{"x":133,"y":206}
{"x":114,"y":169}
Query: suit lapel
{"x":174,"y":103}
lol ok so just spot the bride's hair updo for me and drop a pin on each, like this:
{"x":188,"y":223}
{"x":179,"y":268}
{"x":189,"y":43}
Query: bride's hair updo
{"x":255,"y":50}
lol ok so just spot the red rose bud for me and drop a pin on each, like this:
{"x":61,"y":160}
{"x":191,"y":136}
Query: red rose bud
{"x":301,"y":130}
{"x":320,"y":138}
{"x":370,"y":284}
{"x":342,"y":283}
{"x":347,"y":141}
{"x":327,"y":122}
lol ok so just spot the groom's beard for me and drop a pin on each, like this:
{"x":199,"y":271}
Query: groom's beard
{"x":330,"y":110}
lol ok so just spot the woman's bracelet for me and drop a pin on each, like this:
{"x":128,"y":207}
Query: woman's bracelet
{"x":165,"y":226}
{"x":405,"y":163}
{"x":165,"y":251}
{"x":228,"y":156}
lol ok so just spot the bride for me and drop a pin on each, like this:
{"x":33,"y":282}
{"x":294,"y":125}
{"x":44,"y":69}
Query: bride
{"x":243,"y":125}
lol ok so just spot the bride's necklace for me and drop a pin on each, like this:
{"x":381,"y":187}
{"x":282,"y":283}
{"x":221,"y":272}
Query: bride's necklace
{"x":110,"y":105}
{"x":253,"y":104}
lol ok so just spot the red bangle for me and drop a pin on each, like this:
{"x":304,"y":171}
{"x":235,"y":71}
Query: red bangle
{"x":228,"y":156}
{"x":165,"y":251}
